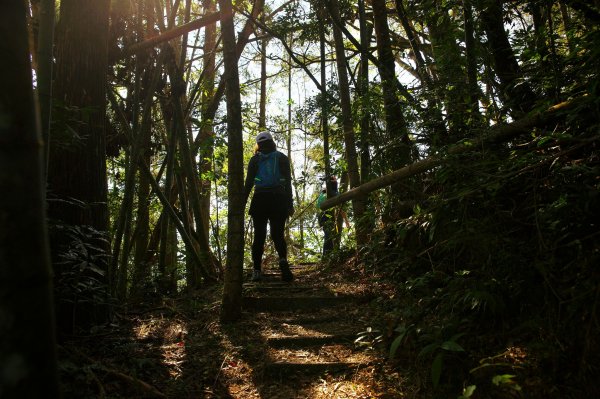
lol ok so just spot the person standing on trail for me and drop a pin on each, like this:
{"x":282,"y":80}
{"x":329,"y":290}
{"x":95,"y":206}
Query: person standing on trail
{"x":327,"y":219}
{"x":269,"y":172}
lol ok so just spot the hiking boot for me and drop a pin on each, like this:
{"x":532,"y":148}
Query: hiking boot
{"x":286,"y":273}
{"x":256,"y":275}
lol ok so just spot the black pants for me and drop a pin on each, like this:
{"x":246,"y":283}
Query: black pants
{"x":268,"y":209}
{"x":327,"y":222}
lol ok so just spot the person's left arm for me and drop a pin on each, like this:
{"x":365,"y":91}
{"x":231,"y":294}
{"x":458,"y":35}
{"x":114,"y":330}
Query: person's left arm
{"x":250,"y":175}
{"x":286,"y":171}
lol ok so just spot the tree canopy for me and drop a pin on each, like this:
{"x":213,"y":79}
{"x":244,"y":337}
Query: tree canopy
{"x":464,"y":135}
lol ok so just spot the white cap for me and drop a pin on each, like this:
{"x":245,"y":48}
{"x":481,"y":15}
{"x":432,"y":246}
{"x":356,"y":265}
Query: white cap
{"x":263,"y":136}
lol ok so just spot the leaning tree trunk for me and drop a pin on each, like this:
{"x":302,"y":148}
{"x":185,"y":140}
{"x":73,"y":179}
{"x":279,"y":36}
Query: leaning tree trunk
{"x":232,"y":290}
{"x":27,"y":335}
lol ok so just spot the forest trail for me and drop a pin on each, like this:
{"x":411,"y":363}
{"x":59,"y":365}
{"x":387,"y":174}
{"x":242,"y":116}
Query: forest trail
{"x":305,"y":339}
{"x":308,"y":330}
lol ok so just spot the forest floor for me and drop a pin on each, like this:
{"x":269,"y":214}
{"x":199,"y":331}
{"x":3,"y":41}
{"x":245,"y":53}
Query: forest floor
{"x":312,"y":338}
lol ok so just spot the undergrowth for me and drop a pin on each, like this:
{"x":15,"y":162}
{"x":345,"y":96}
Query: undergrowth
{"x":496,"y":275}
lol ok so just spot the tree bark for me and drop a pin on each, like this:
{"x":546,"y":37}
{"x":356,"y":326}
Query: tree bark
{"x":517,"y":95}
{"x":474,"y":118}
{"x":77,"y":164}
{"x":324,"y":99}
{"x":45,"y":62}
{"x":28,"y":360}
{"x":77,"y":178}
{"x":232,"y":290}
{"x":206,"y":135}
{"x":358,"y":204}
{"x":262,"y":112}
{"x":398,"y":152}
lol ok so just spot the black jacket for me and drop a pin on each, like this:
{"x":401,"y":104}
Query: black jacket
{"x":284,"y":191}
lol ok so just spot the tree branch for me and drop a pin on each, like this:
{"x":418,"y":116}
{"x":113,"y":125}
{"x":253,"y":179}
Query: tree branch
{"x":498,"y":134}
{"x":172,"y":34}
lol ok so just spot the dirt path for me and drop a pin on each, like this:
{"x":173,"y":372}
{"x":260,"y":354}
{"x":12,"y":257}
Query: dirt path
{"x":295,"y":340}
{"x":300,"y":340}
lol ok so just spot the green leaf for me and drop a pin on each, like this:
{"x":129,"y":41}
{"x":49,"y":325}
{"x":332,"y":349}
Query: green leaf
{"x":467,"y":392}
{"x":452,"y":346}
{"x":396,"y":344}
{"x":428,"y":349}
{"x":436,"y":368}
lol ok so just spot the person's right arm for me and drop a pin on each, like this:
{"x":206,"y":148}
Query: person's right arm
{"x":250,"y":175}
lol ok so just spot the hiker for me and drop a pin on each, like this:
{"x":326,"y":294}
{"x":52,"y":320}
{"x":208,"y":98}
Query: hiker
{"x":327,"y":219}
{"x":269,"y":173}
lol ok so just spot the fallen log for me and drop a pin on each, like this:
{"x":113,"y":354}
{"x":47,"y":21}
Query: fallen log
{"x":498,"y":134}
{"x":172,"y":33}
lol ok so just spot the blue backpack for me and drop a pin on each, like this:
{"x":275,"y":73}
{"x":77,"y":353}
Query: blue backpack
{"x":268,"y":174}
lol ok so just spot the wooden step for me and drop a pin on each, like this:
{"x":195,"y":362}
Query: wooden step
{"x":273,"y":304}
{"x":287,"y":369}
{"x":308,"y":341}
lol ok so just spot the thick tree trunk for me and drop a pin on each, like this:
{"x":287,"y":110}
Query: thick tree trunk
{"x":45,"y":56}
{"x":516,"y":94}
{"x":77,"y":164}
{"x":398,"y":149}
{"x":77,"y":180}
{"x":232,"y":289}
{"x":27,"y":333}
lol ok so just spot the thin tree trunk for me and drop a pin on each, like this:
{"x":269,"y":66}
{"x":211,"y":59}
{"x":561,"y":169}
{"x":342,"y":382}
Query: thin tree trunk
{"x":366,"y":31}
{"x":207,"y":267}
{"x":432,"y":116}
{"x":452,"y":87}
{"x":144,"y":168}
{"x":262,"y":113}
{"x":474,"y":118}
{"x":358,"y":204}
{"x":324,"y":99}
{"x":206,"y":135}
{"x":232,"y":289}
{"x":123,"y":221}
{"x":27,"y":337}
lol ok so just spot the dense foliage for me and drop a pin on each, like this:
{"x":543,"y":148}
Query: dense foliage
{"x":491,"y":253}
